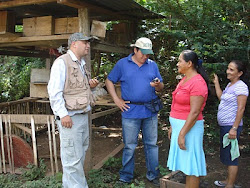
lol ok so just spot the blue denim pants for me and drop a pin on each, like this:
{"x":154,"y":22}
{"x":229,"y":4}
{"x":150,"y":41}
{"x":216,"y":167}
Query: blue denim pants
{"x":74,"y":143}
{"x":130,"y":131}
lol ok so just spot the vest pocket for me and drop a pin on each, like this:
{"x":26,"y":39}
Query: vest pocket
{"x":76,"y":82}
{"x":77,"y":103}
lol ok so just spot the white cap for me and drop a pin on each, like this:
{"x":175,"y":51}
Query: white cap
{"x":144,"y":44}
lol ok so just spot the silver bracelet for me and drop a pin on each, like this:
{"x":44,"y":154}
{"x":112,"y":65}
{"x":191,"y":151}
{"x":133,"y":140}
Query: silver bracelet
{"x":234,"y":128}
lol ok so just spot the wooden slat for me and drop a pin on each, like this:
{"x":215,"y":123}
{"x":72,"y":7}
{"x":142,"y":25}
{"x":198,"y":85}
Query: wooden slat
{"x":18,"y":101}
{"x":7,"y":141}
{"x":25,"y":118}
{"x":11,"y":147}
{"x":2,"y":151}
{"x":22,"y":127}
{"x":16,"y":3}
{"x":113,"y":153}
{"x":103,"y":113}
{"x":50,"y":147}
{"x":50,"y":39}
{"x":54,"y":141}
{"x":165,"y":182}
{"x":107,"y":129}
{"x":33,"y":135}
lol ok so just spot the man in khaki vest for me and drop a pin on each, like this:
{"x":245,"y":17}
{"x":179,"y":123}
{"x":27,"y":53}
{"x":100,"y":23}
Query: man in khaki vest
{"x":70,"y":97}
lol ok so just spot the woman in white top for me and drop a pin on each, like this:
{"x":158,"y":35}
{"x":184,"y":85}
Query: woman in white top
{"x":230,"y":112}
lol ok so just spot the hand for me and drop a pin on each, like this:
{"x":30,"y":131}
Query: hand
{"x":216,"y":79}
{"x":122,"y":104}
{"x":232,"y":134}
{"x":155,"y":84}
{"x":181,"y":142}
{"x":66,"y":121}
{"x":93,"y":83}
{"x":169,"y":132}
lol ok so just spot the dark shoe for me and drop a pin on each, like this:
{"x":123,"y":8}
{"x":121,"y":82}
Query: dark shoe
{"x":156,"y":182}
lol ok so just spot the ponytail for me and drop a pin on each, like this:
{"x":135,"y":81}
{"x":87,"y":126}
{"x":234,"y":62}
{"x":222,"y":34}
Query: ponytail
{"x":189,"y":55}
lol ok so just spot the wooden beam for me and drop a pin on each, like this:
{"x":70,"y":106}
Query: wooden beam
{"x":110,"y":48}
{"x":3,"y":104}
{"x":103,"y":113}
{"x":17,"y":3}
{"x":107,"y":129}
{"x":81,"y":4}
{"x":20,"y":126}
{"x":94,"y":8}
{"x":28,"y":53}
{"x":19,"y":41}
{"x":166,"y":182}
{"x":113,"y":153}
{"x":26,"y":118}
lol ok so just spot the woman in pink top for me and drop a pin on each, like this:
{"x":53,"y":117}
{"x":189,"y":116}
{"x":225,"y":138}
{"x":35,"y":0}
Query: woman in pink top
{"x":187,"y":126}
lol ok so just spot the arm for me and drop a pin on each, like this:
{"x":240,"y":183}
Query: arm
{"x":55,"y":90}
{"x":241,"y":101}
{"x":118,"y":101}
{"x":217,"y":86}
{"x":195,"y":108}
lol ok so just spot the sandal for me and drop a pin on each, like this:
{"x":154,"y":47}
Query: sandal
{"x":219,"y":183}
{"x":222,"y":184}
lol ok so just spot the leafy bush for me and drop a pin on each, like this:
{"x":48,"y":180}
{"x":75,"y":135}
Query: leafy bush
{"x":15,"y":76}
{"x":32,"y":177}
{"x":34,"y":172}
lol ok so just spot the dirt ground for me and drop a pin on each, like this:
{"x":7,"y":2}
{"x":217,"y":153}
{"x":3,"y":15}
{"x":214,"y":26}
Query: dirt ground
{"x":105,"y":142}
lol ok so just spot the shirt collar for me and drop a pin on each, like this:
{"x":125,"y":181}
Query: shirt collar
{"x":130,"y":58}
{"x":73,"y":57}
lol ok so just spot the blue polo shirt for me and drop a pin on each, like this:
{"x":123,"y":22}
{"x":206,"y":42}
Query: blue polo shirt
{"x":135,"y":84}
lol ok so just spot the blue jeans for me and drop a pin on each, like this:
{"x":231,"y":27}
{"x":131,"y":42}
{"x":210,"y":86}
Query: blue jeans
{"x":130,"y":131}
{"x":74,"y":143}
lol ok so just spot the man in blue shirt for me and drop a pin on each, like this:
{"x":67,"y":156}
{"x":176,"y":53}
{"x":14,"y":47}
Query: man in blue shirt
{"x":136,"y":74}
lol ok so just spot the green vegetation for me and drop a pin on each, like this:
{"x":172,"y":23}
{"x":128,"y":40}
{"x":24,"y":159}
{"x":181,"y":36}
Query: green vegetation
{"x":32,"y":177}
{"x":15,"y":76}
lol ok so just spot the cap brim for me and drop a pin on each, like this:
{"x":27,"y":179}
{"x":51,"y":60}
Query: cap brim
{"x":87,"y":38}
{"x":146,"y":51}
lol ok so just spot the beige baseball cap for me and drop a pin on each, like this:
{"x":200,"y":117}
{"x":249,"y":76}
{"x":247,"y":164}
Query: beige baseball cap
{"x":144,"y":44}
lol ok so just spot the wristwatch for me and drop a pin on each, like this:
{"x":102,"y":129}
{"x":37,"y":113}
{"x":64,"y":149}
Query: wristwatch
{"x":234,"y":128}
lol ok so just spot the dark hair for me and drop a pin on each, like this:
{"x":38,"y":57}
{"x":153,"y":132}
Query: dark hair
{"x":189,"y":55}
{"x":241,"y":68}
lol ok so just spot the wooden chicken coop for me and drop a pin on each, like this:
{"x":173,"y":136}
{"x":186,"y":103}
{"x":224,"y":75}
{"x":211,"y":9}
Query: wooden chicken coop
{"x":46,"y":26}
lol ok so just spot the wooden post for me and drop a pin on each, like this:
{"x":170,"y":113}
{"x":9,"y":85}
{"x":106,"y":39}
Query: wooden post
{"x":33,"y":136}
{"x":8,"y":142}
{"x":84,"y":27}
{"x":50,"y":147}
{"x":48,"y":63}
{"x":54,"y":141}
{"x":2,"y":151}
{"x":12,"y":170}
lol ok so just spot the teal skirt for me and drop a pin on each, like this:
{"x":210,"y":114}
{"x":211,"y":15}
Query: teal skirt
{"x":192,"y":160}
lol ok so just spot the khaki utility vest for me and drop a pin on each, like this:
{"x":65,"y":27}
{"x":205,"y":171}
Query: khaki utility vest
{"x":76,"y":92}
